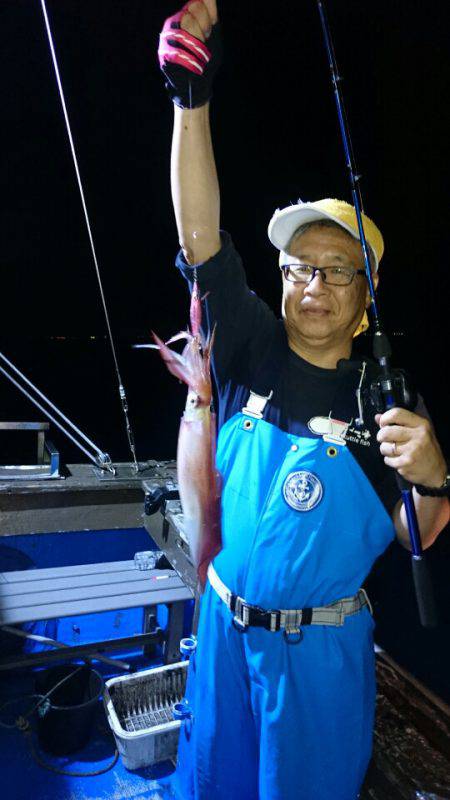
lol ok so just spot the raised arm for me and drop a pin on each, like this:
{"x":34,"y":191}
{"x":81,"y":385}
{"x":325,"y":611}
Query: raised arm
{"x":189,"y":68}
{"x":195,"y":188}
{"x":189,"y":54}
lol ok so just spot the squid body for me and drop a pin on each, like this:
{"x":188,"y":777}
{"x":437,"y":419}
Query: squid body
{"x":198,"y":479}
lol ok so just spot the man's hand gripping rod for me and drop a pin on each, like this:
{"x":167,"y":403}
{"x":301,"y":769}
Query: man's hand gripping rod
{"x":391,"y":387}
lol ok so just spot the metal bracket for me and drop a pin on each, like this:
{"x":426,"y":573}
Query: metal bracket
{"x":47,"y":466}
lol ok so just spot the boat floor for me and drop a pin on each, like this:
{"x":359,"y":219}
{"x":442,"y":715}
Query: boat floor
{"x":411,"y":750}
{"x":23,"y":778}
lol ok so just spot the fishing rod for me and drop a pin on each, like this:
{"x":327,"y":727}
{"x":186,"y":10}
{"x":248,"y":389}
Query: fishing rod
{"x":391,"y":389}
{"x":121,"y":388}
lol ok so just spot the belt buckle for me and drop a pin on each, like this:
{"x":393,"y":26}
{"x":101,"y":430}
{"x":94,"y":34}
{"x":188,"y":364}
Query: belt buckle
{"x":239,"y":621}
{"x":246,"y":615}
{"x":259,"y":617}
{"x":274,"y":625}
{"x":264,"y":618}
{"x":341,"y":612}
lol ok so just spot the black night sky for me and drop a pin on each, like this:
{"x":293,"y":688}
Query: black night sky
{"x":276,"y":139}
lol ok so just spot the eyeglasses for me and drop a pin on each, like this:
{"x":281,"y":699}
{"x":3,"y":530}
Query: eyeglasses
{"x":333,"y":276}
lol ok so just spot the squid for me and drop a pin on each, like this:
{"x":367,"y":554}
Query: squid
{"x":199,"y":482}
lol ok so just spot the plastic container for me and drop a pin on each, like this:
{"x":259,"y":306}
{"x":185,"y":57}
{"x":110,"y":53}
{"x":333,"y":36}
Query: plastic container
{"x":66,"y":718}
{"x":146,"y":559}
{"x":139,"y":709}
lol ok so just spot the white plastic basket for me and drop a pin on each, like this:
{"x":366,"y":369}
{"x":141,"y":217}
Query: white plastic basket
{"x":139,"y":711}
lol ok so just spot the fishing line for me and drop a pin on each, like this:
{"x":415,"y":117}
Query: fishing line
{"x":122,"y":393}
{"x":336,"y":79}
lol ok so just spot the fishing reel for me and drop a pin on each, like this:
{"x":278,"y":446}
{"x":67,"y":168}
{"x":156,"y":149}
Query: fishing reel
{"x":393,"y":389}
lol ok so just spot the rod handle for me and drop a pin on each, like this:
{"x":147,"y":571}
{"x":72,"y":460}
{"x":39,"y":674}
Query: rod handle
{"x":402,"y":483}
{"x":424,"y":592}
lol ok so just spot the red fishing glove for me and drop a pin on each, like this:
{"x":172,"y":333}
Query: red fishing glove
{"x":187,"y":63}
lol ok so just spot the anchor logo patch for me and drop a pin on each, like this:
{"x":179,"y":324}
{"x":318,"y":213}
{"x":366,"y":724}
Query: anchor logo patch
{"x":302,"y":490}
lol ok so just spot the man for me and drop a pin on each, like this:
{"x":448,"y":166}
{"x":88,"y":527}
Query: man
{"x":282,"y":687}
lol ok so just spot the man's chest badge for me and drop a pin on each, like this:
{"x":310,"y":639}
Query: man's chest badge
{"x":335,"y":431}
{"x":302,"y":490}
{"x":331,"y":430}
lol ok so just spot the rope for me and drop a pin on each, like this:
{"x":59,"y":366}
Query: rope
{"x":23,"y":717}
{"x":122,"y":394}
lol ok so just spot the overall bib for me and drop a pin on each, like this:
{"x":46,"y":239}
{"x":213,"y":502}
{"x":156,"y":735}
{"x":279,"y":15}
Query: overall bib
{"x":274,"y":719}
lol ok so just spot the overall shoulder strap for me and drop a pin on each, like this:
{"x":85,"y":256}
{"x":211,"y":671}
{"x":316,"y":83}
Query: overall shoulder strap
{"x":267,"y":375}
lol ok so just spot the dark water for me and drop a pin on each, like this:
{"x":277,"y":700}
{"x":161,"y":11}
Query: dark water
{"x":78,"y":376}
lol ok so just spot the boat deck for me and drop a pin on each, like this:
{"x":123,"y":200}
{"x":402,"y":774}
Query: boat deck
{"x":411,"y":752}
{"x":411,"y":757}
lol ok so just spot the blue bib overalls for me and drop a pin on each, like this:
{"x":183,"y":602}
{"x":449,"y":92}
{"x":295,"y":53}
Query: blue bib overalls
{"x":275,"y":720}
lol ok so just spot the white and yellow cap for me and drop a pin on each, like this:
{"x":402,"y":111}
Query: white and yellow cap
{"x":286,"y":221}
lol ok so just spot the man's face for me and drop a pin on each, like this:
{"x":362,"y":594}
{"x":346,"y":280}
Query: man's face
{"x":316,"y":312}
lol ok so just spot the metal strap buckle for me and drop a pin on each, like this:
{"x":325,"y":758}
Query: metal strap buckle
{"x":275,"y":620}
{"x":240,"y":618}
{"x":256,"y":404}
{"x":231,"y":601}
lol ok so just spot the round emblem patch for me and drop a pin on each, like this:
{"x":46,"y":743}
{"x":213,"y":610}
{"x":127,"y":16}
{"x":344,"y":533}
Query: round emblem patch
{"x":302,"y":490}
